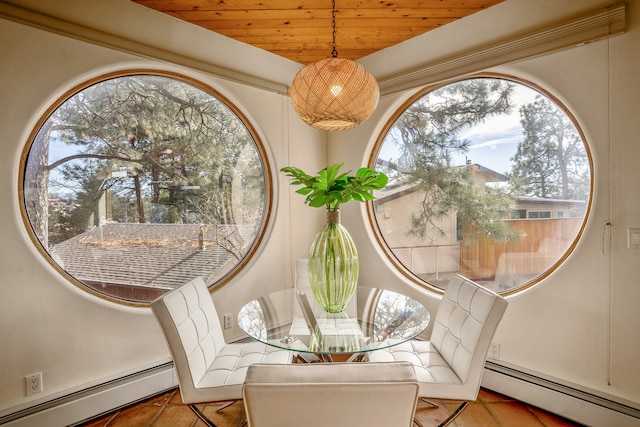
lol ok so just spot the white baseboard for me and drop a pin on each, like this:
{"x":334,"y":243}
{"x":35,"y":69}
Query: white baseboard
{"x":566,"y":400}
{"x":586,"y":407}
{"x":87,"y":403}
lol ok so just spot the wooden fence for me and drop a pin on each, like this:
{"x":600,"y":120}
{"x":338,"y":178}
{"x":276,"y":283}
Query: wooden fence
{"x":542,"y":243}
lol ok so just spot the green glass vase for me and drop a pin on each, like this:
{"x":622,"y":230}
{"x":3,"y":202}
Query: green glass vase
{"x":333,"y":265}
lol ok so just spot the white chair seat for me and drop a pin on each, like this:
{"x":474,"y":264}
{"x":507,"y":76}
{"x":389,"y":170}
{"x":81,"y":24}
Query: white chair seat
{"x":229,"y":368}
{"x":431,"y":368}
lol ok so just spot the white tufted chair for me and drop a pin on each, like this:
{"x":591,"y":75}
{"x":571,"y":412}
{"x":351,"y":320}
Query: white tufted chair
{"x":300,"y":283}
{"x":451,"y":363}
{"x":208,"y":368}
{"x":331,"y":394}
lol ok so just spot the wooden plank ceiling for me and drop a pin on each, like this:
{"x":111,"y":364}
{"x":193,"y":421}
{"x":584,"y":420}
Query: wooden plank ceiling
{"x":301,"y":29}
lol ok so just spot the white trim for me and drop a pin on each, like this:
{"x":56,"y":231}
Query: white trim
{"x":592,"y":26}
{"x":570,"y":401}
{"x":598,"y":24}
{"x":80,"y":32}
{"x":92,"y":401}
{"x":567,"y":400}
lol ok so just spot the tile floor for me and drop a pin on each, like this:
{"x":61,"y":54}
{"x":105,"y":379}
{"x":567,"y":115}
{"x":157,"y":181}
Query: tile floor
{"x":490,"y":410}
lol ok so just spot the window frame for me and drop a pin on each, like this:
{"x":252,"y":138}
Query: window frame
{"x":266,"y":217}
{"x":375,"y":150}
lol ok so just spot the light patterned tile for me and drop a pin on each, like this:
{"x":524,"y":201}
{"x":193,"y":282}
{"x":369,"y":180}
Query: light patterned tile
{"x":175,"y":416}
{"x":176,"y":398}
{"x":161,"y":399}
{"x":135,"y":416}
{"x":228,"y":417}
{"x":474,"y":415}
{"x":102,"y":421}
{"x":430,"y":416}
{"x":550,"y":420}
{"x":513,"y":414}
{"x":491,"y":396}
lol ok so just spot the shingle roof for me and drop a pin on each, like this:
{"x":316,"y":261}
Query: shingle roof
{"x":151,"y":255}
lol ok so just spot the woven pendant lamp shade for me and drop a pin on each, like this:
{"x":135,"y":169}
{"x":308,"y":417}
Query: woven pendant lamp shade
{"x":334,"y":94}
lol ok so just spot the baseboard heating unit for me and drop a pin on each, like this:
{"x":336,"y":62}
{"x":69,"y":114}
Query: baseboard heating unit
{"x":588,"y":407}
{"x":71,"y":408}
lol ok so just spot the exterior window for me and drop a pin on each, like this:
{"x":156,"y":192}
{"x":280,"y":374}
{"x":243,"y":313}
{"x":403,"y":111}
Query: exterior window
{"x":471,"y":164}
{"x":538,"y":214}
{"x":519,"y":214}
{"x":135,"y":184}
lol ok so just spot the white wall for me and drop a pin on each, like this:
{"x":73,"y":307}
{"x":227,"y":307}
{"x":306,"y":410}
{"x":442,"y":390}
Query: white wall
{"x":580,"y":325}
{"x":48,"y":324}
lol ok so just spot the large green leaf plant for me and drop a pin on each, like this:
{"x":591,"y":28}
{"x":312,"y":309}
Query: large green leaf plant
{"x":330,"y":188}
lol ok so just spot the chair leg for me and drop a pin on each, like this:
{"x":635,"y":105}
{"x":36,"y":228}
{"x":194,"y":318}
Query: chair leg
{"x":429,"y":402}
{"x":201,"y":416}
{"x":241,"y":418}
{"x":454,"y":415}
{"x":226,"y":405}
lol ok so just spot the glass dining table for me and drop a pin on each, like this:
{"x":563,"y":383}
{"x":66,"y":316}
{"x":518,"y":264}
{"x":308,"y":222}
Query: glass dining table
{"x":375,"y":318}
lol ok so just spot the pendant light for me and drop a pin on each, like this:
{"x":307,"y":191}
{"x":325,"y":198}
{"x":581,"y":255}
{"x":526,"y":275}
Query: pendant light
{"x":334,"y":93}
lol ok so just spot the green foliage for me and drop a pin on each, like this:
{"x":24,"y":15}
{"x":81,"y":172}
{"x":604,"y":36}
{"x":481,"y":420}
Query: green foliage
{"x":148,"y":149}
{"x":167,"y":133}
{"x":330,"y":188}
{"x":427,"y":137}
{"x":550,"y":161}
{"x":484,"y":210}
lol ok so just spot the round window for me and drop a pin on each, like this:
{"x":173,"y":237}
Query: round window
{"x":489,"y":178}
{"x":135,"y":184}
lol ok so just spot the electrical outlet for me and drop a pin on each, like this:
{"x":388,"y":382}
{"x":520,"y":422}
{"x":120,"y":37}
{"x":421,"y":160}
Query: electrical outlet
{"x":494,"y":350}
{"x":33,"y":383}
{"x":228,"y":318}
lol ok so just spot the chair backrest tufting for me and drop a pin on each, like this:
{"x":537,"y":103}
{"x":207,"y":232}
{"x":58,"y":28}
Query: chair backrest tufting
{"x":192,"y":329}
{"x":301,"y":281}
{"x":331,"y":394}
{"x":464,"y":326}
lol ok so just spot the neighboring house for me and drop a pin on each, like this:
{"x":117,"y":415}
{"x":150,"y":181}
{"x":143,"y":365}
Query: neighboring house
{"x":398,"y":200}
{"x":447,"y":251}
{"x":141,"y":261}
{"x":541,"y":208}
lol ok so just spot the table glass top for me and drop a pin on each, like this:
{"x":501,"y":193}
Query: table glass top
{"x":374,"y":319}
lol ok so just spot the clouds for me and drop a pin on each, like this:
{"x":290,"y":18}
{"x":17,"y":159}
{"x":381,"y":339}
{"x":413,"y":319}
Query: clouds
{"x":494,"y":141}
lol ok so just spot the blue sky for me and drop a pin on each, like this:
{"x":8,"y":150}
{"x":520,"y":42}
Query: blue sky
{"x":492,"y":143}
{"x":495,"y":141}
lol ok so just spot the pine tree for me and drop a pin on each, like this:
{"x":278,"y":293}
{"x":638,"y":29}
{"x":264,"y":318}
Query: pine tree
{"x":426,"y":138}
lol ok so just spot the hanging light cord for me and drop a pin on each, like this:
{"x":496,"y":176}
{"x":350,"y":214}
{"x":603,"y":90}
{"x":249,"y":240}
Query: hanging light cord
{"x":334,"y":52}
